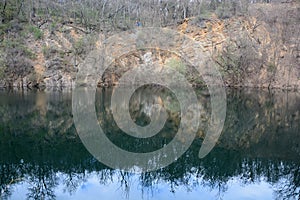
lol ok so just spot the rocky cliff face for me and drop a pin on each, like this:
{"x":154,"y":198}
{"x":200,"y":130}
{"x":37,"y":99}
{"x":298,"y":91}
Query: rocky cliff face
{"x":259,"y":50}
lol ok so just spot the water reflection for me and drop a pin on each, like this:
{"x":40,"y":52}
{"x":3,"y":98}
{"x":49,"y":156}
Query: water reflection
{"x":41,"y":156}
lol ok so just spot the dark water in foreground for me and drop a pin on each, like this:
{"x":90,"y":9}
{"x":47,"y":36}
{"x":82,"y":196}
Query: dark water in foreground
{"x":257,"y":156}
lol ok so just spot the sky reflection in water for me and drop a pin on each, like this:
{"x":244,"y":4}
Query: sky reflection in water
{"x":92,"y":189}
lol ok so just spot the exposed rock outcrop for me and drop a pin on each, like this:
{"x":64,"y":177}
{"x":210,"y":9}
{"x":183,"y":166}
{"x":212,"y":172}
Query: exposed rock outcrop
{"x":259,"y":50}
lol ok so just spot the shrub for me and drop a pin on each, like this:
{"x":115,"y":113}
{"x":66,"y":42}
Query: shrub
{"x":2,"y":65}
{"x":16,"y":45}
{"x":271,"y":67}
{"x":223,"y":12}
{"x":37,"y":33}
{"x":177,"y":65}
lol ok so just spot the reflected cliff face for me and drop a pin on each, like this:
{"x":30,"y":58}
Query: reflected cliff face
{"x":257,"y":156}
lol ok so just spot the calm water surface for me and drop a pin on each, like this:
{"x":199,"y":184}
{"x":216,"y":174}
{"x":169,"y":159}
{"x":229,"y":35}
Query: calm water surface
{"x":257,"y":155}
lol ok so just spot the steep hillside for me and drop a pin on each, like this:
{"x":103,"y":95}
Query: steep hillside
{"x":260,"y":49}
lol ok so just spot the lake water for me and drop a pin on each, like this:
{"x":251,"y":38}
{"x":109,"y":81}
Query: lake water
{"x":256,"y":157}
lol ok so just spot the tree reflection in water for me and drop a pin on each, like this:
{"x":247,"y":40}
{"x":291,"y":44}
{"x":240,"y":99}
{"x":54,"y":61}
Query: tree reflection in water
{"x":41,"y":152}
